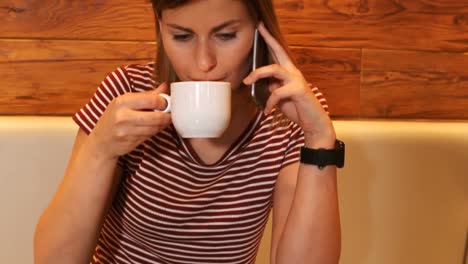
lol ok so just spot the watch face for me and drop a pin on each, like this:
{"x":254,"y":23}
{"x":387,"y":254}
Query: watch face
{"x":340,"y":153}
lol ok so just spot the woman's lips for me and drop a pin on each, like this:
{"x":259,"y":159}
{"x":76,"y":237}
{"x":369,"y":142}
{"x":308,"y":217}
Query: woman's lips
{"x":206,"y":80}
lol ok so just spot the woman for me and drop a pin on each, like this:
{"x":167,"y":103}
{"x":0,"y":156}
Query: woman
{"x":135,"y":192}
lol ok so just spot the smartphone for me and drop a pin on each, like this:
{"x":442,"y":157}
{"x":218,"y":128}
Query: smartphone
{"x":260,"y":89}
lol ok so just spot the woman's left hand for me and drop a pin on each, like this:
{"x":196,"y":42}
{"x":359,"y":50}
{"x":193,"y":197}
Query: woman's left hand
{"x":291,"y":93}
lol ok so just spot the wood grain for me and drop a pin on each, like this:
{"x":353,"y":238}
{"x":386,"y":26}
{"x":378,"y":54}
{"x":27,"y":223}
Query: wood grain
{"x":14,"y":50}
{"x":38,"y":90}
{"x":337,"y":74}
{"x":386,"y":24}
{"x":56,"y":88}
{"x":401,"y":60}
{"x":401,"y":84}
{"x":82,"y":20}
{"x":370,"y":58}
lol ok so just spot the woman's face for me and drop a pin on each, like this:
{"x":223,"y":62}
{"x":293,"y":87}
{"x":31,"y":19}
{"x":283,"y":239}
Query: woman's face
{"x":209,"y":40}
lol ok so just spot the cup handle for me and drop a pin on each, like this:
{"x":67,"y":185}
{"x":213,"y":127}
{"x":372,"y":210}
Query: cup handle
{"x":168,"y":100}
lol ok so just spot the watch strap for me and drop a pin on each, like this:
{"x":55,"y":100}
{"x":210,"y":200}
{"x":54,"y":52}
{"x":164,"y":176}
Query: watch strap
{"x":324,"y":157}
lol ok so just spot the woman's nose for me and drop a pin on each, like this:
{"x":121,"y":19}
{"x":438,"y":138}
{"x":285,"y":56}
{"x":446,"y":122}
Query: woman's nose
{"x":205,"y":57}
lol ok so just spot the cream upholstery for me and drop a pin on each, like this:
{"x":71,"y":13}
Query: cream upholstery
{"x":33,"y":155}
{"x":403,"y":191}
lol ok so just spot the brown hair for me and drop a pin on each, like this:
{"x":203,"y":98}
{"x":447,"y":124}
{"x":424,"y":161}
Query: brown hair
{"x":260,"y":10}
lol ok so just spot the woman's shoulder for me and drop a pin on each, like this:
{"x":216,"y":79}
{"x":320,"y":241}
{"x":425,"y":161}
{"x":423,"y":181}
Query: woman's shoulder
{"x":139,"y":68}
{"x":140,"y":76}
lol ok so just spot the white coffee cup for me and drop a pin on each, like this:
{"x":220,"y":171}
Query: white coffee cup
{"x":200,"y":109}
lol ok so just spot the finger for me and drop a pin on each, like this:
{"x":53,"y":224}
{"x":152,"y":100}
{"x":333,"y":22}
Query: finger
{"x":274,"y":84}
{"x":125,"y":130}
{"x":162,"y":88}
{"x":145,"y":131}
{"x":269,"y":71}
{"x":277,"y":50}
{"x":276,"y":96}
{"x":149,"y":118}
{"x":141,"y":101}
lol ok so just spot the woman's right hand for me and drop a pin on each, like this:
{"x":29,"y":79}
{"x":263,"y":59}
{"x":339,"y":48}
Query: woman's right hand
{"x":128,"y":121}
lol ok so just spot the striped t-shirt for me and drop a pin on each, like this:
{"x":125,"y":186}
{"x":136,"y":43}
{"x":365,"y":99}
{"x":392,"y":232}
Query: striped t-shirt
{"x":173,"y":208}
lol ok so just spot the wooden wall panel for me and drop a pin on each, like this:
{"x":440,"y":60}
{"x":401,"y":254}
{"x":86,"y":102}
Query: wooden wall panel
{"x":337,"y":73}
{"x":420,"y":95}
{"x":410,"y":61}
{"x":58,"y":88}
{"x":24,"y":50}
{"x":437,"y":25}
{"x":78,"y":20}
{"x":58,"y":76}
{"x":429,"y":84}
{"x":40,"y":90}
{"x":372,"y":58}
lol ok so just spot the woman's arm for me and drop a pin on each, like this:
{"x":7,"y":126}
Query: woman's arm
{"x":68,"y":229}
{"x":306,"y":222}
{"x":306,"y":218}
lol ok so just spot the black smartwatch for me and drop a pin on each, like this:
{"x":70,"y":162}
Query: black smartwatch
{"x":323,"y":157}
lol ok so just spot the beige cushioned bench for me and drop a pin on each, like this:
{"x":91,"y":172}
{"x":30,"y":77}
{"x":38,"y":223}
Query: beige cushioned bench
{"x":403,"y":192}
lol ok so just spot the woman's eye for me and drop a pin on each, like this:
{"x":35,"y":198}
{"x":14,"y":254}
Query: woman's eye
{"x":181,"y":37}
{"x":227,"y":36}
